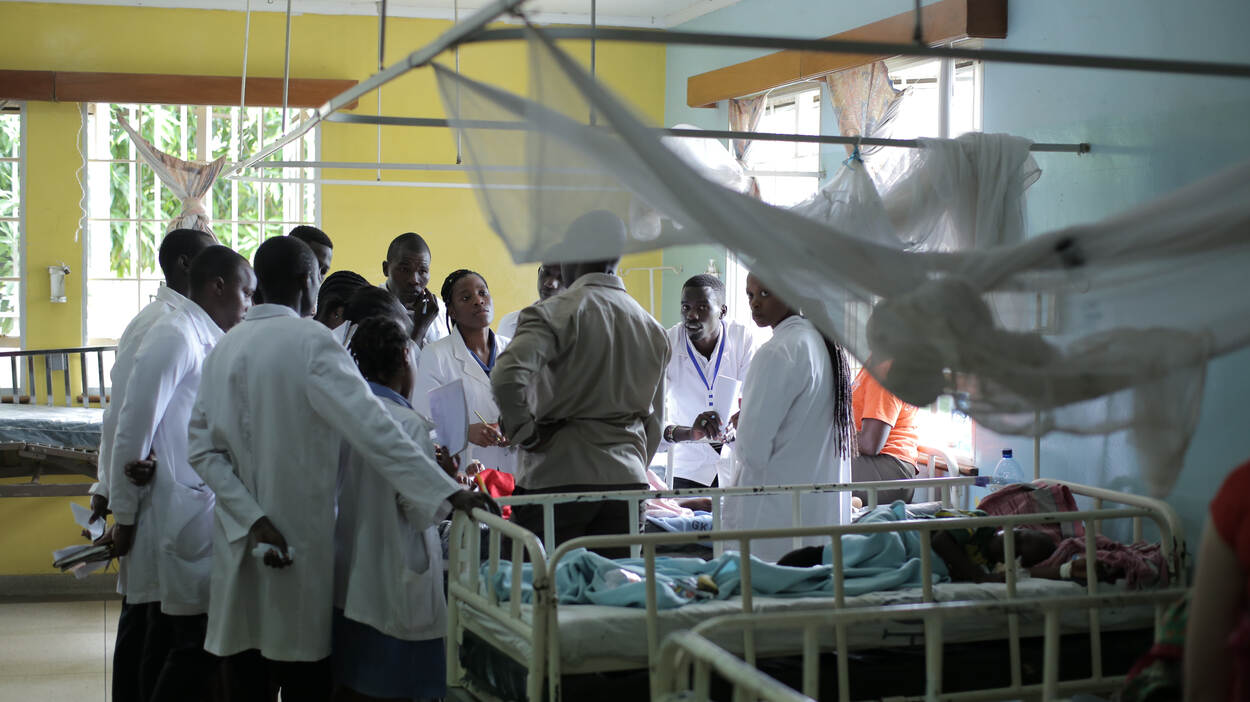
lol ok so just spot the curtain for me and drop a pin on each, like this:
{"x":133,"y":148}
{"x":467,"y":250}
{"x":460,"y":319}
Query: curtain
{"x":864,"y":101}
{"x":744,"y":116}
{"x":190,"y":181}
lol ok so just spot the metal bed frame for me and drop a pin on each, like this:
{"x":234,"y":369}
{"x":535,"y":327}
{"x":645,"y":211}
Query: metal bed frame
{"x":467,"y":600}
{"x":24,"y":458}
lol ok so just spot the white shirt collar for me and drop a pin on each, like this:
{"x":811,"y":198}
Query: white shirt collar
{"x":169,"y":296}
{"x":270,"y":311}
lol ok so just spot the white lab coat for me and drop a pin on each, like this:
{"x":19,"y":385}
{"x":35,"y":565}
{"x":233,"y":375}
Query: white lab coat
{"x":686,"y":395}
{"x":136,"y":573}
{"x":507,"y":325}
{"x":277,"y":398}
{"x":447,"y":360}
{"x":388,"y":570}
{"x":154,"y":417}
{"x":786,"y":437}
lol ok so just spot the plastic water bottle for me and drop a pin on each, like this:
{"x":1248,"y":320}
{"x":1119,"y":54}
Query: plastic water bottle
{"x":1006,"y":472}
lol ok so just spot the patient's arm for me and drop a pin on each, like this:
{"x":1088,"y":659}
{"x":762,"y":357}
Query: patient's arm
{"x":960,"y":567}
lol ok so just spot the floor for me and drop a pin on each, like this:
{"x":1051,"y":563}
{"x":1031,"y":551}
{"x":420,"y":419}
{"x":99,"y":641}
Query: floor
{"x":57,"y":650}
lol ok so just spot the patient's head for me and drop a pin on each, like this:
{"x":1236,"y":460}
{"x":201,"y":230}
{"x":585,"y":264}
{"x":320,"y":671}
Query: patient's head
{"x":1032,"y":547}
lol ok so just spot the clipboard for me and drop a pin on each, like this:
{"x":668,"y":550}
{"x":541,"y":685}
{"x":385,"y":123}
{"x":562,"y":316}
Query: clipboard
{"x":450,"y":413}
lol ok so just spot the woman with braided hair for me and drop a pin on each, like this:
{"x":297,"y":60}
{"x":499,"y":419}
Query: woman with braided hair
{"x":468,"y":354}
{"x":390,"y":612}
{"x":795,"y":427}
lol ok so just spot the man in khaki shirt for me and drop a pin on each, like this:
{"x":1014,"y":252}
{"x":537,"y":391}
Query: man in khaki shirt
{"x":580,"y":390}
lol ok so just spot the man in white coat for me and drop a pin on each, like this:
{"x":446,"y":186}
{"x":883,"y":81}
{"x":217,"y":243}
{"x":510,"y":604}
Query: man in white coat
{"x":794,"y":427}
{"x":153,"y":419}
{"x":548,"y":286}
{"x":136,"y":580}
{"x":407,"y":271}
{"x":277,"y":396}
{"x":706,"y":350}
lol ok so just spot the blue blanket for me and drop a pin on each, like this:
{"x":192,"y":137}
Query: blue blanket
{"x":872,"y":562}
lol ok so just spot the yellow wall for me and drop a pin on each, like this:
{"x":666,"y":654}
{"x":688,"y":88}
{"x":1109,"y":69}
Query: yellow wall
{"x":361,"y":220}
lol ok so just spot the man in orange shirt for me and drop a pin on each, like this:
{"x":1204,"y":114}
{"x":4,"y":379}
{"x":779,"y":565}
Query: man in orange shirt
{"x":886,"y":436}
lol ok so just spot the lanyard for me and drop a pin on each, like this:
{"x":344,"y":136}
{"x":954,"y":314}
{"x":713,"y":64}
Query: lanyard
{"x":716,"y":371}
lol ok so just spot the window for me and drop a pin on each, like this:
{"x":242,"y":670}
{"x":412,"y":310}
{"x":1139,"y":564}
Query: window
{"x":129,"y":208}
{"x":787,"y":173}
{"x":11,"y":171}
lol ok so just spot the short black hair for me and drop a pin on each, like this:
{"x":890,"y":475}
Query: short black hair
{"x":449,"y":283}
{"x":408,"y":241}
{"x":311,"y":235}
{"x":705,"y":280}
{"x":373,"y":302}
{"x":179,"y":243}
{"x":216,"y":261}
{"x":338,"y":287}
{"x":283,"y":265}
{"x":379,"y":347}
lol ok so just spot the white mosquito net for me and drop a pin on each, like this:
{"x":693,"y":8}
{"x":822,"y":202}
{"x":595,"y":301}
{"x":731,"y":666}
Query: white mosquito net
{"x":1100,"y":328}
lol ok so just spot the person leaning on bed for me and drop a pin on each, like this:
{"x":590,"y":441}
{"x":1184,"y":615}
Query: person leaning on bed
{"x":580,"y":390}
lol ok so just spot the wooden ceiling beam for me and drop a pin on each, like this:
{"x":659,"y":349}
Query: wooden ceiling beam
{"x":70,"y":86}
{"x":942,"y":22}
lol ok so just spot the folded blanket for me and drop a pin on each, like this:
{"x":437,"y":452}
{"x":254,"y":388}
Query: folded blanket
{"x":1024,"y":498}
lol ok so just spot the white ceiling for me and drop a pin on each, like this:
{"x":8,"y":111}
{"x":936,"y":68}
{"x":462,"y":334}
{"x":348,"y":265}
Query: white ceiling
{"x":617,"y":13}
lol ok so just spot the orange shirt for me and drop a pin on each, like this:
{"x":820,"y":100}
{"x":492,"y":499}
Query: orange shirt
{"x":869,"y":399}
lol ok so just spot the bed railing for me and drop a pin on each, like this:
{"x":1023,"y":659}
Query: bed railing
{"x":542,"y":630}
{"x":951,"y":492}
{"x":687,"y":661}
{"x":55,"y":362}
{"x":676,"y":675}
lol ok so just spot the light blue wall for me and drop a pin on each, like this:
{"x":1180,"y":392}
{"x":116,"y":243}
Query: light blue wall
{"x":1150,"y":134}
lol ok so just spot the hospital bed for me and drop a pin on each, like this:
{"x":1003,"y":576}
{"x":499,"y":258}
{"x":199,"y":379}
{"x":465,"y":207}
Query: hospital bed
{"x":46,"y":428}
{"x":502,"y":648}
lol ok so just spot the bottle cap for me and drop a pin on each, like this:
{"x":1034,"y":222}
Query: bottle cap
{"x":1006,"y":453}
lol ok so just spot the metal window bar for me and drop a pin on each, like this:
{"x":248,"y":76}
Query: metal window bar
{"x":53,"y":362}
{"x":464,"y":566}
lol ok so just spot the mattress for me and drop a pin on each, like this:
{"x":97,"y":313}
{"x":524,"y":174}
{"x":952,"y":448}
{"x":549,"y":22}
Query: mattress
{"x":65,"y":427}
{"x":595,"y":638}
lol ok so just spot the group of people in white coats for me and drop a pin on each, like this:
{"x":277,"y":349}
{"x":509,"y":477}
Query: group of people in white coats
{"x":275,"y":486}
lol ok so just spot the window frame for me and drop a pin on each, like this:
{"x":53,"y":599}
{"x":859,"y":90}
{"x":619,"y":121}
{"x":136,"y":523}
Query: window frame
{"x":18,"y":341}
{"x":204,"y":116}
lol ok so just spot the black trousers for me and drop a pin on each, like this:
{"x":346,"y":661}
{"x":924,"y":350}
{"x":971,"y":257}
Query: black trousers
{"x":128,"y":653}
{"x":688,"y":484}
{"x":250,"y":677}
{"x":188,"y":672}
{"x":576,"y":519}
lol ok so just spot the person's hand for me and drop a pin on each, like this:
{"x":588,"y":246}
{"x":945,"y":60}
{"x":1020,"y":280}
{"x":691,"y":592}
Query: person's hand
{"x":486,"y":435}
{"x":424,"y":310}
{"x":123,"y":537}
{"x":264,"y":532}
{"x":706,"y":426}
{"x":142,"y":471}
{"x":449,"y":463}
{"x":466,"y":502}
{"x":99,"y":508}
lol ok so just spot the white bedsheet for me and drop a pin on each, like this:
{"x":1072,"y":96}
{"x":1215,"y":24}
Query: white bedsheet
{"x":596,"y":638}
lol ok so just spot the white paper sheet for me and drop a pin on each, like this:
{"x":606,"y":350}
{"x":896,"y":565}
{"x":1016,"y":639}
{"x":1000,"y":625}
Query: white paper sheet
{"x":81,"y":517}
{"x":450,"y":413}
{"x":725,"y":393}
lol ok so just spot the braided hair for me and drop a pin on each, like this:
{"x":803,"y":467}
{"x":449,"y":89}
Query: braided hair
{"x":843,"y":417}
{"x":449,"y":284}
{"x":380,"y":348}
{"x":338,"y":287}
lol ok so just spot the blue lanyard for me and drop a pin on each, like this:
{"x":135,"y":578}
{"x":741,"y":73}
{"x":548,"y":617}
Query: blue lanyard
{"x":716,"y":372}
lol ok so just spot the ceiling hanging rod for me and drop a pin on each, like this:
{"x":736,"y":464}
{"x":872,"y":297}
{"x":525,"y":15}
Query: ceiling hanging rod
{"x":876,"y":48}
{"x":452,"y":37}
{"x":1081,"y":148}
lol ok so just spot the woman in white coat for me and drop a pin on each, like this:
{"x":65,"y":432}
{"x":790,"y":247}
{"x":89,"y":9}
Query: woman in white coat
{"x":468,"y":354}
{"x":795,"y":427}
{"x":390,"y":613}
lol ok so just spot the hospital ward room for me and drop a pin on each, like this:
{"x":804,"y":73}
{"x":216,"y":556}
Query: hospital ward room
{"x":620,"y":350}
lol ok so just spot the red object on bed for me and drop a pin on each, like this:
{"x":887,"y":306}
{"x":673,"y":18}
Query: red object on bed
{"x":497,"y":484}
{"x":1025,"y":498}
